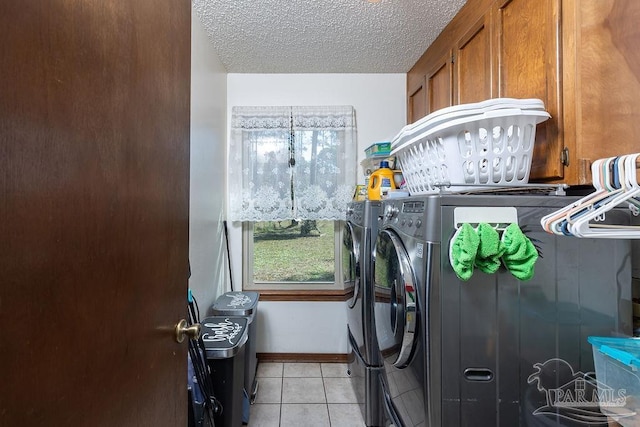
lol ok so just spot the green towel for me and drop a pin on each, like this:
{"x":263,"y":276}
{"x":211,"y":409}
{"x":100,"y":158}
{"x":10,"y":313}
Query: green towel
{"x":520,"y":255}
{"x":490,"y":249}
{"x":462,"y":251}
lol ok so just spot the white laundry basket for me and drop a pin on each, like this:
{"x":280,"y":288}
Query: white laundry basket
{"x":492,"y":148}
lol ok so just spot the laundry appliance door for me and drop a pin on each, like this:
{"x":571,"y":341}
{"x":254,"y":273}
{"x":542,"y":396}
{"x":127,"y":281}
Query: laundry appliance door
{"x":352,"y":235}
{"x":350,"y":262}
{"x":398,"y":328}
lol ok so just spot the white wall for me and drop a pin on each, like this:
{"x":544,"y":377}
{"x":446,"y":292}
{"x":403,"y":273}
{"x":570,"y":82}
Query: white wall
{"x":208,"y":145}
{"x":379,"y":101}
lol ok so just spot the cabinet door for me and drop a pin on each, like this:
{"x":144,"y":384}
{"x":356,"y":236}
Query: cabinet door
{"x":439,"y":83}
{"x":472,"y":63}
{"x":601,"y":81}
{"x":527,"y":43}
{"x":416,"y":101}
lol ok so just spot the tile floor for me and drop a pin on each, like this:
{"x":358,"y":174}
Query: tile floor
{"x":305,"y":394}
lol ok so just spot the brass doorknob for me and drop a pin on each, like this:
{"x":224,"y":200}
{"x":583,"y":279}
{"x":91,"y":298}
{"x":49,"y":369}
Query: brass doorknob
{"x":182,"y":329}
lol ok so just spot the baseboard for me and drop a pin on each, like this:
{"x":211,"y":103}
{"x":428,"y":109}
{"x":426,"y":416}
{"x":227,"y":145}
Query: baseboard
{"x":302,"y":357}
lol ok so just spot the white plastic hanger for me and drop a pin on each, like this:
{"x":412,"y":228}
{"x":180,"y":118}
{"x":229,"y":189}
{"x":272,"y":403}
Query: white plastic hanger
{"x":581,"y":225}
{"x":603,"y":181}
{"x":552,"y":223}
{"x":611,"y":167}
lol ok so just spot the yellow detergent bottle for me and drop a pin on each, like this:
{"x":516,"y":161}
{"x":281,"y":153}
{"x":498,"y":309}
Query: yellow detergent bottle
{"x":380,"y":182}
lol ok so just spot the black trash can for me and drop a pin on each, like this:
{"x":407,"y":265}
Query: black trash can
{"x":224,"y":342}
{"x":243,"y":304}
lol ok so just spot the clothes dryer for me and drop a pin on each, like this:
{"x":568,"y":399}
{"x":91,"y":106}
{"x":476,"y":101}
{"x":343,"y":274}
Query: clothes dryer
{"x":493,"y":350}
{"x":365,"y":363}
{"x":400,"y":311}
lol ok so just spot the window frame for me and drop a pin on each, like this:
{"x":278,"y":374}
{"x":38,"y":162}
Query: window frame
{"x":293,"y":288}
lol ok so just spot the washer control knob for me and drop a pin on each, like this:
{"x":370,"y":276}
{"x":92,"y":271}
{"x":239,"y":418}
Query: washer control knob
{"x":391,"y":211}
{"x":418,"y":223}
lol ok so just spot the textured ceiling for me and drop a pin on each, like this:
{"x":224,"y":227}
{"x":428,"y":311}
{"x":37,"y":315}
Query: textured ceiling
{"x":323,"y":36}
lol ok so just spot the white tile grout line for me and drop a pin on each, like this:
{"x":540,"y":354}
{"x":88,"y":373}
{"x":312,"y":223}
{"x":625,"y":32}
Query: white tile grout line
{"x":281,"y":395}
{"x":324,"y":389}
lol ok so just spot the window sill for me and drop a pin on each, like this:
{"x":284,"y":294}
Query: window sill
{"x":310,"y":295}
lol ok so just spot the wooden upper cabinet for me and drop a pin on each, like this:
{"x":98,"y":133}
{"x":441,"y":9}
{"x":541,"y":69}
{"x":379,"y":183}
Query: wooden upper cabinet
{"x":456,"y":67}
{"x":472,"y":64}
{"x":429,"y":86}
{"x":527,"y":43}
{"x":439,"y":83}
{"x":601,"y":73}
{"x":579,"y":56}
{"x":417,"y":91}
{"x":417,"y":100}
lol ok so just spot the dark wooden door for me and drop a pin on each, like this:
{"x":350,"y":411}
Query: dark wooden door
{"x":94,"y":183}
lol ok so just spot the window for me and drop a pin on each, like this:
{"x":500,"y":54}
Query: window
{"x":292,"y":254}
{"x":292,"y":171}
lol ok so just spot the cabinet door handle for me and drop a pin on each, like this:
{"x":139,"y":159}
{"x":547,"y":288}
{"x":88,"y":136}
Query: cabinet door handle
{"x":564,"y":157}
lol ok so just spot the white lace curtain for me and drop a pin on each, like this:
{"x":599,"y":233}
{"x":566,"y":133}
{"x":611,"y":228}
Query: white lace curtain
{"x":291,"y":163}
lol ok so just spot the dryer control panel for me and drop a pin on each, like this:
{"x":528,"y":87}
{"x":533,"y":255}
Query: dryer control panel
{"x":405,"y":216}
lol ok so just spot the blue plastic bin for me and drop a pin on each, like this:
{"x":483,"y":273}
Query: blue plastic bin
{"x":617,"y":363}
